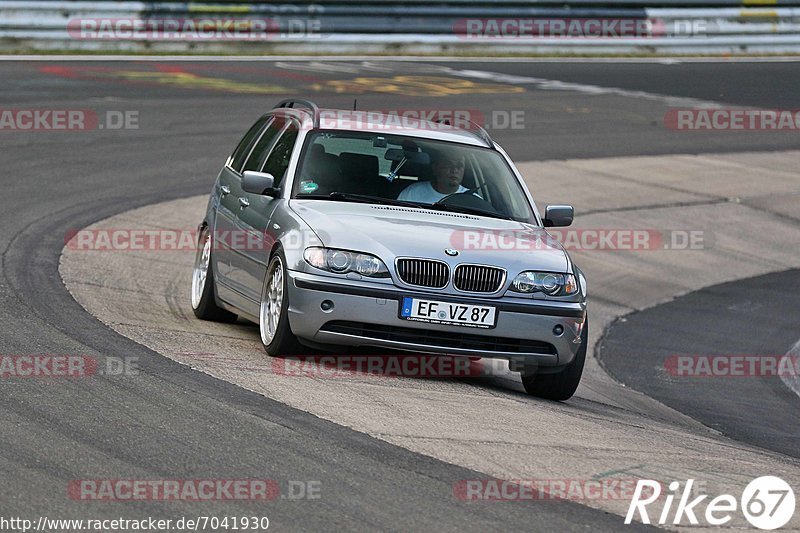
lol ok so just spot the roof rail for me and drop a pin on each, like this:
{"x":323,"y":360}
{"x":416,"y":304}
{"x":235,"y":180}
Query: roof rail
{"x":291,"y":103}
{"x":478,"y":131}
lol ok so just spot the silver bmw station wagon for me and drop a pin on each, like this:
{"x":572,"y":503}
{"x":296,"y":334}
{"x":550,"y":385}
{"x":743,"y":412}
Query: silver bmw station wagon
{"x":332,"y":229}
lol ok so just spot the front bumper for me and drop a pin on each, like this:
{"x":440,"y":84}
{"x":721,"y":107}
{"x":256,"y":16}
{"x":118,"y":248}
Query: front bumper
{"x":366,"y":314}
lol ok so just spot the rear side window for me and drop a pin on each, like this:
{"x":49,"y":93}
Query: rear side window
{"x":259,"y":153}
{"x":236,"y":161}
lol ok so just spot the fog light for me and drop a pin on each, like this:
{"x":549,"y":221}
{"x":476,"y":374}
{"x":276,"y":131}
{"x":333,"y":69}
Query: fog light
{"x":558,"y":330}
{"x":326,"y":305}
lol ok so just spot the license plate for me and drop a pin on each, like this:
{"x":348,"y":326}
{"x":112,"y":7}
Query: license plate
{"x":457,"y":314}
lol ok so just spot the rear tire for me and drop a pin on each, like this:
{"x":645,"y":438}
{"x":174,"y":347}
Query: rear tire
{"x":562,"y":385}
{"x":273,"y":316}
{"x":204,"y":303}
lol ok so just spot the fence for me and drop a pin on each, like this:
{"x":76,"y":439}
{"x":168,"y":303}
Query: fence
{"x":407,"y":26}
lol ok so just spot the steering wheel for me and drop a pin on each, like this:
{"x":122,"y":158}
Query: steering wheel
{"x":467,"y":199}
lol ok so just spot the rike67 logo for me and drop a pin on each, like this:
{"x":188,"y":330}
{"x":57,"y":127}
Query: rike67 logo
{"x":767,"y":503}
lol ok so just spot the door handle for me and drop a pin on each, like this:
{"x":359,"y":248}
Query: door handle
{"x":244,"y":202}
{"x":225,"y":190}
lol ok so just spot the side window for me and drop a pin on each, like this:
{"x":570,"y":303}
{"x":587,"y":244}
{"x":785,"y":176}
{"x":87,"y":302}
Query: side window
{"x":278,"y":160}
{"x":243,"y":149}
{"x":260,"y":151}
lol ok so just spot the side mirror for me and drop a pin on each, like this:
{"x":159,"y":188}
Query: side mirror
{"x":558,"y":215}
{"x":259,"y":183}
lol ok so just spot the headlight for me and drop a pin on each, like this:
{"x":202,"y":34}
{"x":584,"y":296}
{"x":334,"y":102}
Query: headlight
{"x":550,"y":283}
{"x":344,"y":262}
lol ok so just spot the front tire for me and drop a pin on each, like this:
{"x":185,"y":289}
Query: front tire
{"x":204,"y":303}
{"x":273,"y":316}
{"x":562,"y":385}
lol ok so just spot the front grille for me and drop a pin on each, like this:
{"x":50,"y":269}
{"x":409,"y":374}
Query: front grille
{"x":477,"y":278}
{"x":423,"y":272}
{"x":440,"y":339}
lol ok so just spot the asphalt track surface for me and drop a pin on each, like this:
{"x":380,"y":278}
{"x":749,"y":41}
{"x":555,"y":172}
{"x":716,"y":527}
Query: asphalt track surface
{"x":758,"y":316}
{"x":171,"y":422}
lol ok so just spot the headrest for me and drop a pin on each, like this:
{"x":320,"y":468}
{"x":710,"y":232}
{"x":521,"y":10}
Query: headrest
{"x":360,"y":165}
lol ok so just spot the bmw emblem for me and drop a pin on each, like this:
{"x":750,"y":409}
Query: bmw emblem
{"x":451,"y":252}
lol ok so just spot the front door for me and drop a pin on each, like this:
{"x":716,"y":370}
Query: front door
{"x":271,"y":156}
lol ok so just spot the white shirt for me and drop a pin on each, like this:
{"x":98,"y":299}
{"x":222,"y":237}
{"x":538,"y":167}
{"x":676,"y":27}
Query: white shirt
{"x":423,"y":191}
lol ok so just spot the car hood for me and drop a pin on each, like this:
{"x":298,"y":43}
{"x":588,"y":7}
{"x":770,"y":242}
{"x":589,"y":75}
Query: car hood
{"x":395,"y":231}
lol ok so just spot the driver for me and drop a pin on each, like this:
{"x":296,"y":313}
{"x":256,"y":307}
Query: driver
{"x":448,"y":171}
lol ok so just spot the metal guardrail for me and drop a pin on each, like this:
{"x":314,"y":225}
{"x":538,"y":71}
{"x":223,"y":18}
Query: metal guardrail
{"x":413,"y":26}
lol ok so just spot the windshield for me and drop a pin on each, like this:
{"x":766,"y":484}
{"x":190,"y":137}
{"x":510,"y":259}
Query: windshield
{"x":380,"y":168}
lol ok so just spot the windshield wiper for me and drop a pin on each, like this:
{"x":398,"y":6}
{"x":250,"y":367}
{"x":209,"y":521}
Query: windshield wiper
{"x":466,"y":210}
{"x":350,"y":197}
